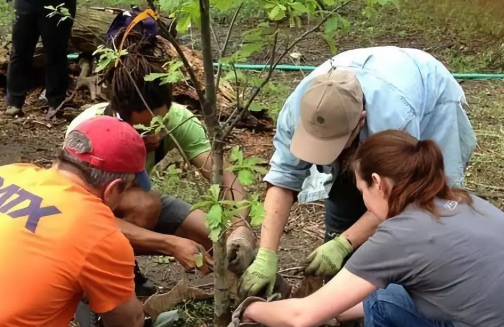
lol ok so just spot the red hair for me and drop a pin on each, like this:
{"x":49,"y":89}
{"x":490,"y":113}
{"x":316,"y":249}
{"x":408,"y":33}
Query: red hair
{"x":415,"y":167}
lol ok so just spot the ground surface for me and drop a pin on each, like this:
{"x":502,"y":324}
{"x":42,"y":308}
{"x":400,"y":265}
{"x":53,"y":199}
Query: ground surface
{"x":466,"y":37}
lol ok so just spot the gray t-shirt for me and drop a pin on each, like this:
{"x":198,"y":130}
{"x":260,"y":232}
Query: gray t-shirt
{"x":453,"y":269}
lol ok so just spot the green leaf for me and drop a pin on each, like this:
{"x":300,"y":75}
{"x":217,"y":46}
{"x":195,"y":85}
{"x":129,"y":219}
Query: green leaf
{"x":254,"y":106}
{"x":214,"y":216}
{"x":236,"y":155}
{"x":330,"y":41}
{"x":257,"y":213}
{"x":329,"y":2}
{"x":259,"y":169}
{"x":214,"y":191}
{"x":183,"y":23}
{"x":64,"y":11}
{"x":299,"y":7}
{"x":263,"y":24}
{"x":277,"y":13}
{"x":154,"y":76}
{"x":50,"y":8}
{"x":168,"y":318}
{"x":250,"y":48}
{"x":215,"y":234}
{"x":198,"y":260}
{"x":331,"y":25}
{"x":245,"y":177}
{"x":344,"y":25}
{"x":252,"y":161}
{"x":223,"y":5}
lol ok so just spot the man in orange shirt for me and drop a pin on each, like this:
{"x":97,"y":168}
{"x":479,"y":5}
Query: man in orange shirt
{"x":59,"y":242}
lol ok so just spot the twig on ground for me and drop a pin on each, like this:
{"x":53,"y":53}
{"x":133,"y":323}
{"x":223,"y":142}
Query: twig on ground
{"x":291,"y":269}
{"x":292,"y":276}
{"x":52,"y":113}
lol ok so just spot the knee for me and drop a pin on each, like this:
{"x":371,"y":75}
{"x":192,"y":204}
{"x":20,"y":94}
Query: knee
{"x":385,"y":306}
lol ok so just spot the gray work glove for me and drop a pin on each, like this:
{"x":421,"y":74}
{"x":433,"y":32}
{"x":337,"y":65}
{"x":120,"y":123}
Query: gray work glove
{"x":241,"y":249}
{"x":238,"y":313}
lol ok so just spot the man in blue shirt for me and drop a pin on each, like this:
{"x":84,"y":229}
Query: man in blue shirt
{"x":340,"y":104}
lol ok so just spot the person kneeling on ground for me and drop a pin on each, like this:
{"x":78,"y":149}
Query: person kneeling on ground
{"x":166,"y":227}
{"x":436,"y":259}
{"x":59,"y":240}
{"x":345,"y":100}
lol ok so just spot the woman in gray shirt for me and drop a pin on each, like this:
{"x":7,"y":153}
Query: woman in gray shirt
{"x":437,"y":258}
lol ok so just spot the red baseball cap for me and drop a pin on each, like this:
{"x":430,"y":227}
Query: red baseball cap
{"x":116,"y":147}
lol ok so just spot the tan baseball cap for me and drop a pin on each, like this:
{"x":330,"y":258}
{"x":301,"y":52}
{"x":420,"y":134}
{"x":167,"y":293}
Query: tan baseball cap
{"x":330,"y":110}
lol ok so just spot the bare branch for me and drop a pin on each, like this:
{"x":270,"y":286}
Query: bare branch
{"x":222,"y":51}
{"x":215,"y":38}
{"x":239,"y":115}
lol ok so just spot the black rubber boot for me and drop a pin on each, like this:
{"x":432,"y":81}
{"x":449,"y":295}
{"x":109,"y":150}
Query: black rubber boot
{"x":143,"y":286}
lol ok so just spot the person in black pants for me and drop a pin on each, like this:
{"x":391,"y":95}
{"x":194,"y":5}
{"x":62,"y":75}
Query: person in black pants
{"x":30,"y":23}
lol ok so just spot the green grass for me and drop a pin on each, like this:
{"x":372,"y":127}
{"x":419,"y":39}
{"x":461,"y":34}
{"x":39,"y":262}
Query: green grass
{"x":6,"y":15}
{"x":465,"y":35}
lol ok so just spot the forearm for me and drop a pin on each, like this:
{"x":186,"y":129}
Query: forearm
{"x":357,"y":312}
{"x":145,"y":240}
{"x":267,"y":313}
{"x":364,"y":228}
{"x":277,"y":205}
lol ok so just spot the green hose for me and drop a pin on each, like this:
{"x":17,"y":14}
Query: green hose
{"x":462,"y":76}
{"x":311,"y":68}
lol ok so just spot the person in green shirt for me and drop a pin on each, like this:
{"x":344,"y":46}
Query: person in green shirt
{"x":158,"y":223}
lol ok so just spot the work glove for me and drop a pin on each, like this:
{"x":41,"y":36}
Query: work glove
{"x":237,"y":316}
{"x":328,"y":258}
{"x":241,"y":249}
{"x":260,"y":275}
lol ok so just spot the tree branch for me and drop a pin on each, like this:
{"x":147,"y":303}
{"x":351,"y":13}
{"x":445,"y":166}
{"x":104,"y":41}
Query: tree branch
{"x":210,"y":98}
{"x":240,"y":114}
{"x":222,"y":51}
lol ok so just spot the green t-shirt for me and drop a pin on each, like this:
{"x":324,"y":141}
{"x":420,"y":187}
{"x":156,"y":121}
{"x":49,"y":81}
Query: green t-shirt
{"x":190,"y":135}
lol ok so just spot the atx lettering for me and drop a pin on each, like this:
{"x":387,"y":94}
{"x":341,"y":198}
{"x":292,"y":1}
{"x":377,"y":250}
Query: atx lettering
{"x":33,"y":210}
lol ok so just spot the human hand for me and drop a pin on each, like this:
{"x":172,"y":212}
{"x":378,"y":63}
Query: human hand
{"x":191,"y":255}
{"x":260,"y":275}
{"x":327,"y":259}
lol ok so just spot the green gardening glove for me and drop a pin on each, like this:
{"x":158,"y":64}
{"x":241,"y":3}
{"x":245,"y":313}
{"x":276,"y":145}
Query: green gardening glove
{"x":327,"y":259}
{"x":260,"y":275}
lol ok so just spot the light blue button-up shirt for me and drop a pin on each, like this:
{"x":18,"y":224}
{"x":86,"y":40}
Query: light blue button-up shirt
{"x":405,"y":89}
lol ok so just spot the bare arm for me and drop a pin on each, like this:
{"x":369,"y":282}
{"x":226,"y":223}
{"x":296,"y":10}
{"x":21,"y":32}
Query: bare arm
{"x":277,"y":205}
{"x":129,"y":314}
{"x":145,"y":240}
{"x":152,"y":243}
{"x":342,"y":293}
{"x":363,"y":229}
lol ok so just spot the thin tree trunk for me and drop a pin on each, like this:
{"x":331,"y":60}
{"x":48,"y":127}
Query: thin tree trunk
{"x":221,"y":293}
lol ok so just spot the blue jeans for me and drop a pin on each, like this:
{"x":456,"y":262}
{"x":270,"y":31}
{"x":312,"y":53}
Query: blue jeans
{"x":393,"y":307}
